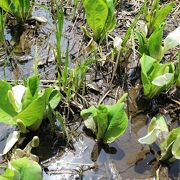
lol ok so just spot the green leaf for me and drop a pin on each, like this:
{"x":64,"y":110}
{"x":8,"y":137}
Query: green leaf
{"x":155,"y":41}
{"x":5,"y":104}
{"x":171,"y":138}
{"x":162,"y":14}
{"x":118,"y":122}
{"x":27,"y":169}
{"x":85,"y":113}
{"x":34,"y":113}
{"x":176,"y":147}
{"x":149,"y":138}
{"x":96,"y":15}
{"x":31,"y":91}
{"x":155,"y":77}
{"x":108,"y":122}
{"x":102,"y":121}
{"x":111,"y":19}
{"x":168,"y":148}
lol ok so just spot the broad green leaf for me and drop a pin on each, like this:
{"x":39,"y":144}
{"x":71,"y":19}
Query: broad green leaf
{"x":85,"y":113}
{"x":6,"y":118}
{"x":147,"y":63}
{"x":111,"y":19}
{"x":5,"y":104}
{"x":162,"y":14}
{"x":118,"y":122}
{"x":143,"y":43}
{"x":176,"y":147}
{"x":34,"y":113}
{"x":154,"y":74}
{"x":31,"y":92}
{"x":27,"y":169}
{"x":102,"y":121}
{"x":96,"y":15}
{"x":171,"y":138}
{"x":163,"y":79}
{"x":172,"y":40}
{"x":54,"y":98}
{"x":155,"y":41}
{"x":108,"y":122}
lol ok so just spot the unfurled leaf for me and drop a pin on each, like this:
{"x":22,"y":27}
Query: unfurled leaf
{"x":162,"y":14}
{"x":102,"y":121}
{"x":156,"y":77}
{"x":155,"y":41}
{"x":107,"y":122}
{"x":176,"y":147}
{"x":26,"y":105}
{"x":96,"y":15}
{"x":22,"y":169}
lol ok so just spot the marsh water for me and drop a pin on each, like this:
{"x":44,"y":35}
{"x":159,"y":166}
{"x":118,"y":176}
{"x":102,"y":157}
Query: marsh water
{"x":128,"y":158}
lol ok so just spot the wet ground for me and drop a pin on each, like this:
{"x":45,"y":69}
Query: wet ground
{"x":128,"y":159}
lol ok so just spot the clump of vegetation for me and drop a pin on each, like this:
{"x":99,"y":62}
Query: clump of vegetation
{"x":25,"y":105}
{"x":20,"y":9}
{"x":167,"y":141}
{"x":101,"y":18}
{"x":23,"y":164}
{"x":156,"y":77}
{"x":107,"y":122}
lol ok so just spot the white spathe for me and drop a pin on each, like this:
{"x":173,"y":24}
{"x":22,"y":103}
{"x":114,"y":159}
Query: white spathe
{"x":172,"y":40}
{"x":18,"y":93}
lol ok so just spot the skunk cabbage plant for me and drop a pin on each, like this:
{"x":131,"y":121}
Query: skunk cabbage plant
{"x":23,"y":165}
{"x":26,"y":106}
{"x":156,"y":77}
{"x":169,"y":142}
{"x":107,"y":122}
{"x":20,"y":9}
{"x":100,"y":15}
{"x":153,"y":46}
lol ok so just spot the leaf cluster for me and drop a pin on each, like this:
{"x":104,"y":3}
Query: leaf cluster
{"x":100,"y":15}
{"x":20,"y":9}
{"x":107,"y":122}
{"x":169,"y":142}
{"x":26,"y":106}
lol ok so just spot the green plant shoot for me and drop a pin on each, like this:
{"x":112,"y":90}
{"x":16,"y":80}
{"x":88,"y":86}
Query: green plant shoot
{"x":26,"y":106}
{"x":20,"y":9}
{"x":156,"y":77}
{"x":107,"y":122}
{"x":100,"y":15}
{"x":169,"y":142}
